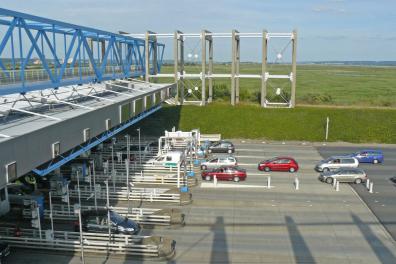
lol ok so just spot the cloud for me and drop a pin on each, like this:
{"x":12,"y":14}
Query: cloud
{"x":328,"y":9}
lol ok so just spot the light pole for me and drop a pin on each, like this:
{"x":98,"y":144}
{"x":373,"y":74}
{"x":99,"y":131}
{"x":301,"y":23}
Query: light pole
{"x":51,"y":217}
{"x":78,"y":187}
{"x":128,"y":147}
{"x":94,"y":182}
{"x":108,"y":208}
{"x":127,"y":174}
{"x":81,"y":235}
{"x":140,"y":150}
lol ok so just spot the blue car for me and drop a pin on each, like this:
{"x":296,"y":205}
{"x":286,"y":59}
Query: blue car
{"x":369,"y":156}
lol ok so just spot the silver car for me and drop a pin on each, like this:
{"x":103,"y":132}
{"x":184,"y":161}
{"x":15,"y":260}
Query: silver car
{"x":218,"y":162}
{"x":335,"y":162}
{"x":354,"y":175}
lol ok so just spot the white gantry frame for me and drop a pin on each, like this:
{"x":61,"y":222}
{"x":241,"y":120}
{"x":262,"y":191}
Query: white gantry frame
{"x":206,"y":38}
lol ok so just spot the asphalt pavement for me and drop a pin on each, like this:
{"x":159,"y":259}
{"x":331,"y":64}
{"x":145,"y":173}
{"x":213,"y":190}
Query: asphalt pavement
{"x":383,"y":199}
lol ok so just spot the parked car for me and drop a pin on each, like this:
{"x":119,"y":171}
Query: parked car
{"x":169,"y":159}
{"x":279,"y":164}
{"x":96,"y":221}
{"x":355,"y":175}
{"x":226,"y":173}
{"x":222,"y":147}
{"x":369,"y":156}
{"x":335,"y":162}
{"x":18,"y":193}
{"x":219,"y":162}
{"x":4,"y":251}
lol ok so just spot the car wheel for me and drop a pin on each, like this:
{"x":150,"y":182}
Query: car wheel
{"x":267,"y":169}
{"x":292,"y":170}
{"x":230,"y":151}
{"x":326,"y":169}
{"x":204,"y":167}
{"x":375,"y":161}
{"x":208,"y":178}
{"x":358,"y":181}
{"x":329,"y":180}
{"x":236,"y":179}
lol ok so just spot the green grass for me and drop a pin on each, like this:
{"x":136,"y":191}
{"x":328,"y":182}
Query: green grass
{"x":301,"y":123}
{"x":316,"y":84}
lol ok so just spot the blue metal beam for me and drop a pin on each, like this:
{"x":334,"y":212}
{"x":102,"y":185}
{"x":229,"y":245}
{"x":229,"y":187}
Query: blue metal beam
{"x":74,"y":153}
{"x":86,"y":66}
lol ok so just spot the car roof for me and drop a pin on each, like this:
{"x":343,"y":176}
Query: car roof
{"x":371,"y":150}
{"x":342,"y":157}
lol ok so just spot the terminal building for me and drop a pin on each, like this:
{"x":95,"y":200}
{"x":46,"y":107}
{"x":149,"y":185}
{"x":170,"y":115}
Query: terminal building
{"x":66,"y":90}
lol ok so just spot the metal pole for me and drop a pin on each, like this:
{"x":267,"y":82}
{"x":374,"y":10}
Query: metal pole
{"x":39,"y":220}
{"x":78,"y":187}
{"x":264,"y":69}
{"x":203,"y":67}
{"x":81,"y":235}
{"x":108,"y":208}
{"x":327,"y":127}
{"x":127,"y":174}
{"x":51,"y":217}
{"x":94,"y":180}
{"x":140,"y":150}
{"x":68,"y":198}
{"x":294,"y":70}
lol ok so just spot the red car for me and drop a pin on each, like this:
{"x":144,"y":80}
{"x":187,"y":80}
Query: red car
{"x":279,"y":164}
{"x":228,"y":173}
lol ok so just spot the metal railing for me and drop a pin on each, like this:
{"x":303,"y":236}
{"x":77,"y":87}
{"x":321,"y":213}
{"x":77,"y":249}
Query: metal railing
{"x":148,"y":246}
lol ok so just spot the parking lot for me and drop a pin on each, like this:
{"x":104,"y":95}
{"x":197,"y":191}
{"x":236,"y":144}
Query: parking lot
{"x":247,"y":222}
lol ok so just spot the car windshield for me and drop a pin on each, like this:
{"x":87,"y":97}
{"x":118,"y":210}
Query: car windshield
{"x":271,"y":160}
{"x":116,"y":218}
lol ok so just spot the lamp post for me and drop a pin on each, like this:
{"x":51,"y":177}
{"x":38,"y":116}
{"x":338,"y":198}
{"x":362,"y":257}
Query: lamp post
{"x":127,"y":174}
{"x":128,"y":147}
{"x":108,"y":208}
{"x":94,"y":182}
{"x":81,"y":235}
{"x":140,"y":150}
{"x":51,"y":217}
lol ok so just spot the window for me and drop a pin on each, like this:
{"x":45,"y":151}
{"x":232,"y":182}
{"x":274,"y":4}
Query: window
{"x":125,"y":112}
{"x":11,"y":171}
{"x":347,"y":161}
{"x":108,"y":124}
{"x":87,"y":134}
{"x":55,"y":149}
{"x":2,"y":195}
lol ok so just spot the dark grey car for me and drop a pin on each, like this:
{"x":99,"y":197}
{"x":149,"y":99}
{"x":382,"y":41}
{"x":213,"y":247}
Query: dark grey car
{"x":354,"y":175}
{"x":222,"y":147}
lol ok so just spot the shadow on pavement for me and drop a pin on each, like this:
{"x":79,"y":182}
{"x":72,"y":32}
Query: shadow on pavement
{"x":302,"y":254}
{"x":383,"y":253}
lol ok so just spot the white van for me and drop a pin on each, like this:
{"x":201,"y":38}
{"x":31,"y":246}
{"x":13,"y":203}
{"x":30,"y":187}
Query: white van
{"x":336,"y":162}
{"x":169,"y":159}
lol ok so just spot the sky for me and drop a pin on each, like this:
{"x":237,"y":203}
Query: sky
{"x":327,"y":29}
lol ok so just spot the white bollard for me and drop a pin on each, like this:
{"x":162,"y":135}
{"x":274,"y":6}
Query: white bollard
{"x":368,"y":184}
{"x":337,"y":186}
{"x":297,"y":183}
{"x":371,"y":187}
{"x":269,"y":182}
{"x":334,"y":183}
{"x":215,"y":180}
